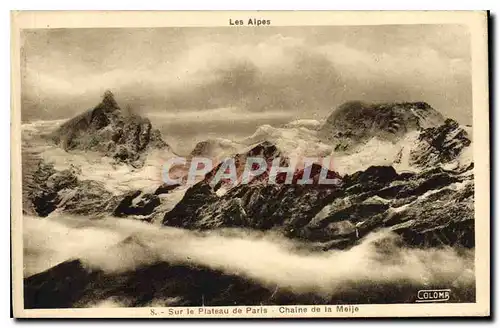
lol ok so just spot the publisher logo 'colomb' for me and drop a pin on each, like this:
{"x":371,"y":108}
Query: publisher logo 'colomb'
{"x":433,"y":295}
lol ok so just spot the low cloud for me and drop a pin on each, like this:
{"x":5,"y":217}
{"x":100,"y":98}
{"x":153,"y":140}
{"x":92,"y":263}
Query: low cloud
{"x":267,"y":258}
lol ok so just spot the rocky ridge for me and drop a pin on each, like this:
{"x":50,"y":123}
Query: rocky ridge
{"x":108,"y":130}
{"x":45,"y":190}
{"x":439,"y":145}
{"x":164,"y":284}
{"x":430,"y":207}
{"x":355,"y":122}
{"x":421,"y":205}
{"x":105,"y":129}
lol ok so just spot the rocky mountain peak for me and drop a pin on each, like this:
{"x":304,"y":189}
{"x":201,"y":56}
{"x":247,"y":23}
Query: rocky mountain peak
{"x":202,"y":148}
{"x":355,"y":122}
{"x":110,"y":131}
{"x":108,"y":103}
{"x":440,"y":144}
{"x":265,"y":149}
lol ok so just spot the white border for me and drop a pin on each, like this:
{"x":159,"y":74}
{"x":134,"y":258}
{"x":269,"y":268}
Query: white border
{"x":255,"y":4}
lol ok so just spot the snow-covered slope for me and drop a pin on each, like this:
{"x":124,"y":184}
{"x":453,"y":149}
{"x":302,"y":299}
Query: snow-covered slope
{"x":292,"y":141}
{"x":217,"y":148}
{"x":410,"y":151}
{"x":404,"y":175}
{"x":308,"y":124}
{"x":117,"y":177}
{"x":355,"y":122}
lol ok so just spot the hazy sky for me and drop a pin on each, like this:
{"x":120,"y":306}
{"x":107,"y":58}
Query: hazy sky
{"x":205,"y":82}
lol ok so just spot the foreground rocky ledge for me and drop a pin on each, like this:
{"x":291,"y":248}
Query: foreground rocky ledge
{"x":73,"y":284}
{"x":432,"y":208}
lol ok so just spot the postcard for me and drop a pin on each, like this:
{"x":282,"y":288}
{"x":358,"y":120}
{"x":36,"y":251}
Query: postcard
{"x":247,"y":164}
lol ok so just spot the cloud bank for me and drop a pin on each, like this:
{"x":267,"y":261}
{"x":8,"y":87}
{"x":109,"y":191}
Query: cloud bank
{"x":266,"y":258}
{"x":291,"y":72}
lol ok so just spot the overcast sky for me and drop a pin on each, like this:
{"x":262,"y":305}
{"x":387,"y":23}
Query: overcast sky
{"x":198,"y":82}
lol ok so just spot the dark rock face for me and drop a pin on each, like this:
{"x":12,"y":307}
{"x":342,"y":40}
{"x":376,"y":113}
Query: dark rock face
{"x":428,"y":204}
{"x":374,"y":174}
{"x":137,"y":203}
{"x":49,"y":189}
{"x":355,"y":122}
{"x":194,"y":198}
{"x":165,"y":188}
{"x":108,"y":130}
{"x":439,"y":144}
{"x":46,"y":190}
{"x":265,"y":150}
{"x":42,"y":190}
{"x":43,"y":195}
{"x":58,"y":287}
{"x":87,"y":198}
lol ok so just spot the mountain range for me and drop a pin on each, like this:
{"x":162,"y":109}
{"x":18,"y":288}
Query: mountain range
{"x":401,"y":167}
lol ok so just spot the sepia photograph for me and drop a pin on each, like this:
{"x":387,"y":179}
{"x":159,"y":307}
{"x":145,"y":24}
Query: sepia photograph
{"x":252,"y":166}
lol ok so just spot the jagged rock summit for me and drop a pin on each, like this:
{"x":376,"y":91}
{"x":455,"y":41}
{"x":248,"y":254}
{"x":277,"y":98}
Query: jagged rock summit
{"x":109,"y":130}
{"x":355,"y":122}
{"x":440,"y":144}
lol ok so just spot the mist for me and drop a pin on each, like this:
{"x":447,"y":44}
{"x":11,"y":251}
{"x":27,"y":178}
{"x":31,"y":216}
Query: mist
{"x":268,"y":258}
